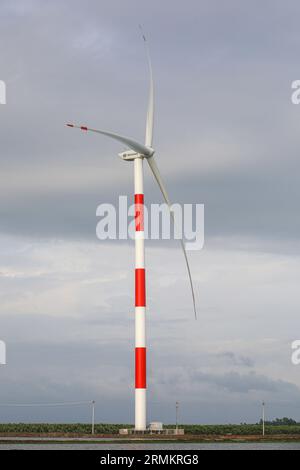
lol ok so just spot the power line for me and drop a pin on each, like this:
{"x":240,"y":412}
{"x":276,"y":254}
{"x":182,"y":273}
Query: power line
{"x":75,"y":403}
{"x":41,"y":405}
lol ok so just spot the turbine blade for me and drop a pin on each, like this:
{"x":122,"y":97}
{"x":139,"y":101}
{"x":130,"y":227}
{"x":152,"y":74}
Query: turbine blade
{"x":132,"y":144}
{"x":150,"y":112}
{"x":161,"y":185}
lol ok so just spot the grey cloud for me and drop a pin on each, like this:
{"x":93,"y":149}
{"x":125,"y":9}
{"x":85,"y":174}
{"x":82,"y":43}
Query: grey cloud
{"x":237,"y":359}
{"x":239,"y":383}
{"x":226,"y":107}
{"x":226,"y":135}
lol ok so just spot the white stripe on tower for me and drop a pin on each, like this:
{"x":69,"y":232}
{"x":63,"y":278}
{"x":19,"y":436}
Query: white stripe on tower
{"x":140,"y":299}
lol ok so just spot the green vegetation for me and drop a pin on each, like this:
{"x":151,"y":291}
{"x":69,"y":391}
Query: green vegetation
{"x":273,"y":428}
{"x":79,"y":428}
{"x":240,"y":429}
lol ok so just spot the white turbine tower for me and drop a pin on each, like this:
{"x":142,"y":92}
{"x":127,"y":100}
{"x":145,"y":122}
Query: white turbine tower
{"x":138,"y":153}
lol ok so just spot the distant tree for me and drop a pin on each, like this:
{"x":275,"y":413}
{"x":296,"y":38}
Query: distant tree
{"x":280,"y":422}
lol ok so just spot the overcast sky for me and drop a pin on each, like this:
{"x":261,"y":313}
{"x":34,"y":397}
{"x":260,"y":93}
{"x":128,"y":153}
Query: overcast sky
{"x":226,"y":135}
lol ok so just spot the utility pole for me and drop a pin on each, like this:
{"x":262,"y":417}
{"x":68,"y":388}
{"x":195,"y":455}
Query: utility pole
{"x":177,"y":409}
{"x":263,"y":418}
{"x":93,"y":417}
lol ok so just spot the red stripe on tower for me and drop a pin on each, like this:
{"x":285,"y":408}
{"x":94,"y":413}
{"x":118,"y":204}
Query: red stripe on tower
{"x":140,"y":367}
{"x":139,"y":212}
{"x":140,"y":287}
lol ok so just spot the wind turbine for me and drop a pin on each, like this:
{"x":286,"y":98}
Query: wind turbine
{"x":137,"y":153}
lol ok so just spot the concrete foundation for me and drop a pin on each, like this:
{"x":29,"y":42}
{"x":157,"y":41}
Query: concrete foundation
{"x":162,"y":432}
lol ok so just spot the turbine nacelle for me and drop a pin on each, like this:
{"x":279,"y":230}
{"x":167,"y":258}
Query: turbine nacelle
{"x":130,"y":155}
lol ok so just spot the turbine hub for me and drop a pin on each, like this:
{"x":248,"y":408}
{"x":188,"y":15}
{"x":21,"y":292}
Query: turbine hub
{"x":151,"y":152}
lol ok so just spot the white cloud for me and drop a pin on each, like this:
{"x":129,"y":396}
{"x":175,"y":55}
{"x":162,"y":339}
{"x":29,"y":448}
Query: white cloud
{"x":79,"y":295}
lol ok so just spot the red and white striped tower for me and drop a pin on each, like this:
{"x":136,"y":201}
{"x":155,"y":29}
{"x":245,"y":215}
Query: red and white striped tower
{"x":140,"y":299}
